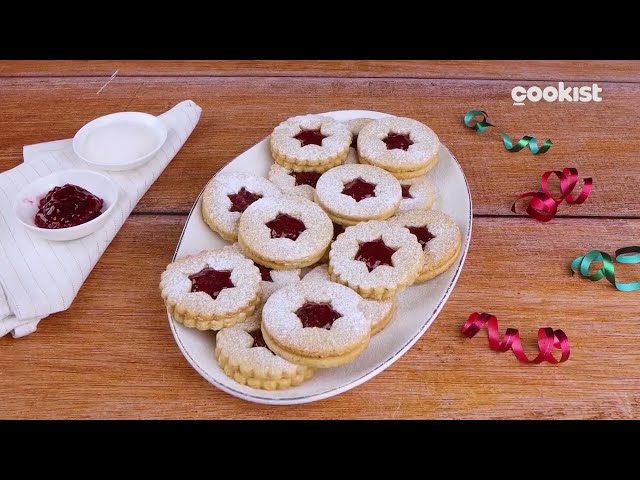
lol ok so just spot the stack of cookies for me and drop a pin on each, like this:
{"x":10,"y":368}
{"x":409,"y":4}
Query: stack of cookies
{"x":348,"y":203}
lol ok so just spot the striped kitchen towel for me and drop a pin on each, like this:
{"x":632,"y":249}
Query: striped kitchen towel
{"x":39,"y":277}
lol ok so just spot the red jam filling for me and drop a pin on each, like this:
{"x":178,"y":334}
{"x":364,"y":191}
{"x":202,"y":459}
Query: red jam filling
{"x":258,"y":339}
{"x":405,"y":191}
{"x":397,"y":140}
{"x":265,"y":273}
{"x":337,"y":230}
{"x":306,"y":178}
{"x":67,"y":206}
{"x":310,"y":137}
{"x":241,"y":200}
{"x":359,"y":189}
{"x":211,"y":281}
{"x":320,"y":315}
{"x":376,"y":253}
{"x":286,"y":226}
{"x":423,"y":235}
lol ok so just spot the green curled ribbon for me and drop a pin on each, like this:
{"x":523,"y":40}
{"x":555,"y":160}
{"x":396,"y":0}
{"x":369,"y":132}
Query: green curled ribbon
{"x":526,"y":141}
{"x":623,"y":255}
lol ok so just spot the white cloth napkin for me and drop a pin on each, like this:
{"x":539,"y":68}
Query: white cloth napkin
{"x":39,"y":277}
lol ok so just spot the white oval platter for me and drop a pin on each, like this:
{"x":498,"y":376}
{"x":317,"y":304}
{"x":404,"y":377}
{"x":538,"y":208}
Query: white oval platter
{"x":417,"y":307}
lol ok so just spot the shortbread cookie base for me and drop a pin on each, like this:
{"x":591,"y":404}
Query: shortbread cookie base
{"x":229,"y":236}
{"x":377,"y":327}
{"x":319,"y":167}
{"x":211,"y":323}
{"x":348,"y":222}
{"x":434,"y":272}
{"x":379,"y":293}
{"x":247,"y":251}
{"x":405,"y":174}
{"x":314,"y":362}
{"x":234,"y":372}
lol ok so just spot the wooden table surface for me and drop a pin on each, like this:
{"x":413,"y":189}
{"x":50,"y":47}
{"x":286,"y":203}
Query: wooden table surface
{"x":112,"y":355}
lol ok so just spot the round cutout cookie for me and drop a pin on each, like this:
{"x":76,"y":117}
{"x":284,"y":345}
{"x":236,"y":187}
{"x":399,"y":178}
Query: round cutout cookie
{"x":376,"y":258}
{"x":284,"y":233}
{"x":212,"y":289}
{"x":403,"y":146}
{"x":310,"y":143}
{"x":317,"y":324}
{"x":354,"y":193}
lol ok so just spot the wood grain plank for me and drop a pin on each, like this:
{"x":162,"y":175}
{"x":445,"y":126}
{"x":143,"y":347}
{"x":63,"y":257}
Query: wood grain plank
{"x":600,"y":139}
{"x":558,"y":70}
{"x":111,"y":355}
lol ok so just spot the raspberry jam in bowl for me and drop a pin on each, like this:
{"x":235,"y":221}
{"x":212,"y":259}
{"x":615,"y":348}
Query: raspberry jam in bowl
{"x":66,"y":205}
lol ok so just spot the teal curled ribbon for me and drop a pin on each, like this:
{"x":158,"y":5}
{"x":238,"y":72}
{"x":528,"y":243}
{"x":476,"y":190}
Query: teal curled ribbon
{"x":623,"y":255}
{"x":526,"y":141}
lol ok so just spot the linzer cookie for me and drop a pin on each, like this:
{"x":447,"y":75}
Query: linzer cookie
{"x":211,"y":290}
{"x":403,"y":146}
{"x":378,"y":312}
{"x":310,"y":143}
{"x":317,"y":324}
{"x":244,"y":356}
{"x":355,"y":125}
{"x":355,"y":193}
{"x":300,"y":184}
{"x":417,"y":193}
{"x":228,"y":195}
{"x":377,"y":259}
{"x":284,"y":233}
{"x":439,"y":237}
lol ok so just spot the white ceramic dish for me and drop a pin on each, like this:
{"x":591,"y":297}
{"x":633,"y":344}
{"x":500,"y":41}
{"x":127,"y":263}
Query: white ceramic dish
{"x":120,"y":141}
{"x":418,"y":306}
{"x":26,"y":202}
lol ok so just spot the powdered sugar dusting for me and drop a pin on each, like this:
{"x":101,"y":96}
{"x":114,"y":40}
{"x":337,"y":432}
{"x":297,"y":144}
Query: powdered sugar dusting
{"x":257,"y":236}
{"x":419,"y":155}
{"x":216,"y":203}
{"x":176,"y":286}
{"x":356,"y":124}
{"x":337,"y":138}
{"x":387,"y":192}
{"x":285,"y":328}
{"x":376,"y":311}
{"x":282,"y":179}
{"x":447,"y":234}
{"x":406,"y":260}
{"x":423,"y":193}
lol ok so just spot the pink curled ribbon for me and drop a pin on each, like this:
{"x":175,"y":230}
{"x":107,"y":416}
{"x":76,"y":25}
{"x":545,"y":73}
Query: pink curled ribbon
{"x":548,"y":339}
{"x":543,"y":207}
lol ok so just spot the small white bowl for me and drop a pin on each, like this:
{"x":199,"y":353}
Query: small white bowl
{"x":120,"y":141}
{"x":26,"y":203}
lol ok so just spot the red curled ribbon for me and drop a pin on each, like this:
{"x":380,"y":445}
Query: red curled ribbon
{"x":543,"y":207}
{"x":548,"y":339}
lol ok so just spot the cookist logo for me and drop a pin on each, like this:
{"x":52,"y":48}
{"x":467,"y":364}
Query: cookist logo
{"x":552,"y":94}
